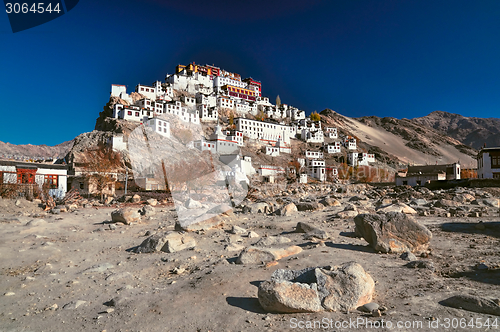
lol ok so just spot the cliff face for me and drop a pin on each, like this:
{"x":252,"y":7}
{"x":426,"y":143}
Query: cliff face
{"x":473,"y":132}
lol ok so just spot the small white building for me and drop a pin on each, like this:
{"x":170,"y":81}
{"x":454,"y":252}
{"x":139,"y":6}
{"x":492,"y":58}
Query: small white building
{"x":21,"y":173}
{"x":420,"y":175}
{"x":335,"y":147}
{"x":488,"y":163}
{"x":360,"y":159}
{"x":266,"y":170}
{"x":312,"y":136}
{"x":331,"y":132}
{"x":314,"y":155}
{"x":303,"y":178}
{"x":350,"y":143}
{"x":120,"y":91}
{"x":117,"y":143}
{"x":244,"y":163}
{"x":158,"y":125}
{"x":272,"y":151}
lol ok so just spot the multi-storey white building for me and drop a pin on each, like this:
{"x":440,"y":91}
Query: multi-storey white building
{"x":488,"y":163}
{"x":316,"y":169}
{"x":263,"y":130}
{"x":335,"y":147}
{"x":207,"y":113}
{"x":225,"y":102}
{"x":219,"y":142}
{"x":312,"y":136}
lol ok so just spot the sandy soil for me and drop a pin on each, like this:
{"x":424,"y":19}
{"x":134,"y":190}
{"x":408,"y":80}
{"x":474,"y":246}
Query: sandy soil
{"x":51,"y":262}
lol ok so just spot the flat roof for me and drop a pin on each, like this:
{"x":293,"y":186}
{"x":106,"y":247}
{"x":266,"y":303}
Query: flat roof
{"x":32,"y":165}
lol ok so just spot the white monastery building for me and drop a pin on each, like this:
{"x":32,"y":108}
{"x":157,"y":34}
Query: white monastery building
{"x":488,"y":163}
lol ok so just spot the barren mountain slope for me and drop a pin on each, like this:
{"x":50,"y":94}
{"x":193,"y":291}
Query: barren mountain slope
{"x":474,"y":132}
{"x":409,"y":142}
{"x":35,"y":151}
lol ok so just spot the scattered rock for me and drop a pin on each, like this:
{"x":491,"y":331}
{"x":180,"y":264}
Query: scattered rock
{"x":309,"y":206}
{"x":259,"y":255}
{"x":370,"y":307}
{"x":392,"y":232}
{"x":74,"y":304}
{"x":203,"y":222}
{"x":148,"y":211}
{"x":287,"y":210}
{"x":221,"y":209}
{"x":252,"y":235}
{"x":152,"y":201}
{"x":238,"y":230}
{"x":272,"y":240}
{"x":167,"y":242}
{"x":408,"y":256}
{"x":311,"y":231}
{"x":36,"y":222}
{"x":136,"y":199}
{"x":328,"y":201}
{"x":421,"y":265}
{"x":126,"y":215}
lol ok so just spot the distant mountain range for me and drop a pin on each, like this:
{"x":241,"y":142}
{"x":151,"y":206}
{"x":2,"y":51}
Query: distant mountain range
{"x":11,"y":151}
{"x":474,"y":132}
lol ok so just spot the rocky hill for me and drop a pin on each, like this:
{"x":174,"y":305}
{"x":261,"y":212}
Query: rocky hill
{"x":403,"y":140}
{"x":474,"y":132}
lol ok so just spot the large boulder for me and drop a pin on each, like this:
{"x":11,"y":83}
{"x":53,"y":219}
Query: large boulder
{"x":392,"y":232}
{"x":446,"y":203}
{"x":167,"y":242}
{"x":126,"y":215}
{"x":309,"y":206}
{"x":338,"y":288}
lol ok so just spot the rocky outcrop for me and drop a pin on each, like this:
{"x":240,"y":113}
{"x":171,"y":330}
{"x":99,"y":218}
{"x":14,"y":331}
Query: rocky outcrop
{"x":393,"y":232}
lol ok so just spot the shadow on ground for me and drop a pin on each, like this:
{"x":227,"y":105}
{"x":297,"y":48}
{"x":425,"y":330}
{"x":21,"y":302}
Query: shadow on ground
{"x":355,"y":247}
{"x":246,"y":303}
{"x":492,"y":228}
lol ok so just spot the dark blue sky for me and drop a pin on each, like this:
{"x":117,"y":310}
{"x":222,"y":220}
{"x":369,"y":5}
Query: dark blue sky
{"x":385,"y":58}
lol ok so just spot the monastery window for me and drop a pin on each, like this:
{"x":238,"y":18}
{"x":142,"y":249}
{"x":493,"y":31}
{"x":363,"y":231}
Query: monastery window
{"x":136,"y":113}
{"x":129,"y":113}
{"x":495,"y":161}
